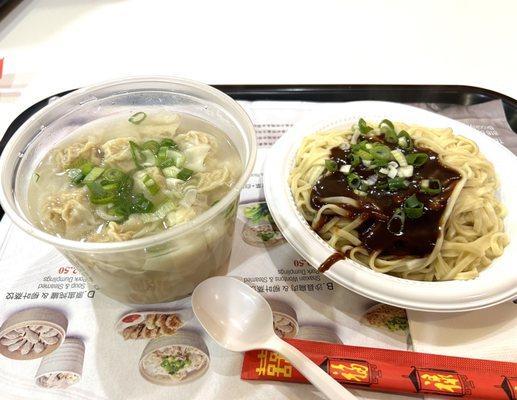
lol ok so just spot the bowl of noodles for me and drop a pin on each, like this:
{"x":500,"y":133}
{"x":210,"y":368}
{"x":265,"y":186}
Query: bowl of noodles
{"x":398,"y":204}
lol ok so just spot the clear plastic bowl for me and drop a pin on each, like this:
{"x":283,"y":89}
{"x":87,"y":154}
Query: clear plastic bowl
{"x":153,"y":269}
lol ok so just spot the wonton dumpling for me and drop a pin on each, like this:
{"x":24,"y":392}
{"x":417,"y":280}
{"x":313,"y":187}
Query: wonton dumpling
{"x":133,"y":228}
{"x":198,"y":147}
{"x":69,"y":213}
{"x":117,"y":153}
{"x":195,"y":157}
{"x":182,"y":214}
{"x":160,"y":125}
{"x":211,"y":180}
{"x":89,"y":150}
{"x":156,"y":174}
{"x":196,"y":138}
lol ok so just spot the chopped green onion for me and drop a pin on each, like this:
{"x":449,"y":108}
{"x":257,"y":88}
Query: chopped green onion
{"x":120,"y":209}
{"x":413,"y":208}
{"x":113,"y":175}
{"x":152,"y":145}
{"x":396,"y":222}
{"x":407,"y":140}
{"x":76,"y":176}
{"x":171,"y":172}
{"x":331,"y":165}
{"x":96,"y":189}
{"x":136,"y":154}
{"x":185,"y":174}
{"x":397,"y":183}
{"x":139,"y":204}
{"x":151,"y":185}
{"x":170,"y":157}
{"x":169,"y":143}
{"x":95,"y":173}
{"x":381,"y":152}
{"x":364,"y":155}
{"x":361,"y":145}
{"x":98,"y":195}
{"x":114,"y":189}
{"x":110,"y":187}
{"x":166,"y":163}
{"x":388,"y":130}
{"x":36,"y":177}
{"x":162,"y":153}
{"x":363,"y":127}
{"x":399,"y":157}
{"x":364,"y":187}
{"x":388,"y":123}
{"x":381,"y":185}
{"x":417,"y":159}
{"x":126,"y":184}
{"x":354,"y":181}
{"x":86,"y":167}
{"x":80,"y":169}
{"x":354,"y":160}
{"x":431,"y":186}
{"x":137,"y":118}
{"x":148,"y":158}
{"x":378,"y":162}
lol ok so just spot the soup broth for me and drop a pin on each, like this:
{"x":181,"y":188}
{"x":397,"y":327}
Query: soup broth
{"x":125,"y":177}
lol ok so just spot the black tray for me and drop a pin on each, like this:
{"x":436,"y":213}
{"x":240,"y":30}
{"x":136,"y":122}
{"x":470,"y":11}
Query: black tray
{"x":446,"y":94}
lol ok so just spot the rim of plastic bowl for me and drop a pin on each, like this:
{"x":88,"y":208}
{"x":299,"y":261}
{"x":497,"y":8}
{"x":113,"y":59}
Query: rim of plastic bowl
{"x":152,"y":240}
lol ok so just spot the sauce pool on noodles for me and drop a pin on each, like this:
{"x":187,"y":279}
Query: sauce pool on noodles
{"x":418,"y":236}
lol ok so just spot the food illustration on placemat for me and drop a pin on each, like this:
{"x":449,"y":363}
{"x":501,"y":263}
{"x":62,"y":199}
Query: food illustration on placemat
{"x":285,"y":322}
{"x":63,"y":367}
{"x":151,"y":324}
{"x":30,"y":338}
{"x":174,"y":359}
{"x":260,"y":228}
{"x":32,"y":333}
{"x":388,"y":317}
{"x":415,"y":202}
{"x":58,"y":380}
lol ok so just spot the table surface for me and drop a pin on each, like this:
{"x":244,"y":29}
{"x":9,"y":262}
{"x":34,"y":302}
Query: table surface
{"x":56,"y":45}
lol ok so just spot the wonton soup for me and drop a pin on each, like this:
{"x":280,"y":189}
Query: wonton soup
{"x":129,"y":176}
{"x":120,"y":179}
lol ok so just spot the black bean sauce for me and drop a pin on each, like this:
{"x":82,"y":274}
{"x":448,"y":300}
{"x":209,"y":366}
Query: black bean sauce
{"x":418,"y":236}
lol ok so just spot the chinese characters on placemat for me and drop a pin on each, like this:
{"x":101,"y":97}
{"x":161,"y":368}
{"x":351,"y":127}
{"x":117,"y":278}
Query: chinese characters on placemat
{"x":66,"y":284}
{"x":302,"y":278}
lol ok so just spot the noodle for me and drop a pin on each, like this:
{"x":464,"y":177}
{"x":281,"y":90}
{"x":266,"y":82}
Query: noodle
{"x":473,"y":233}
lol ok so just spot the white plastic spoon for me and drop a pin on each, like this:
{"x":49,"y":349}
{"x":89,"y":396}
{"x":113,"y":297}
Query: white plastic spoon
{"x":240,"y":319}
